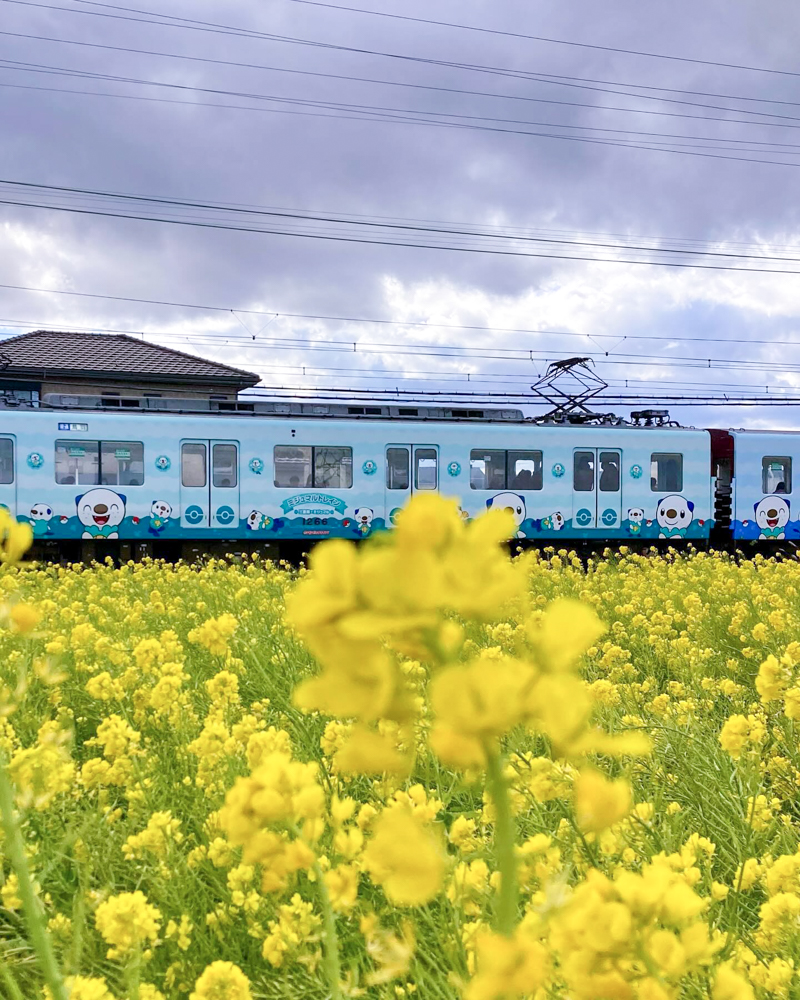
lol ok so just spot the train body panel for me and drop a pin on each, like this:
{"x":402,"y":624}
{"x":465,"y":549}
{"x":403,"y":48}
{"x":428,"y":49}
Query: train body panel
{"x":764,"y":505}
{"x":94,"y":474}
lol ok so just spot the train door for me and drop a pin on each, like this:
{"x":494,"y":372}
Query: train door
{"x":209,"y":484}
{"x":410,"y":469}
{"x":597,"y":488}
{"x":8,"y":477}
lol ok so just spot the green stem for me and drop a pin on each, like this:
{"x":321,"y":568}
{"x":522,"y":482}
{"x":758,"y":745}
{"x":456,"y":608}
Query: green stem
{"x":133,"y":971}
{"x":14,"y":991}
{"x":504,"y":842}
{"x":330,"y":961}
{"x":34,"y":916}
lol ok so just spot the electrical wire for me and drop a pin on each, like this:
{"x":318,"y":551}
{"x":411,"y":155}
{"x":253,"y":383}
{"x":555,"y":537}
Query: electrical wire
{"x":377,"y":321}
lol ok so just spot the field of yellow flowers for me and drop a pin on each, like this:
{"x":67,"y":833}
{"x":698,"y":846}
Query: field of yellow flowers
{"x":421,"y":769}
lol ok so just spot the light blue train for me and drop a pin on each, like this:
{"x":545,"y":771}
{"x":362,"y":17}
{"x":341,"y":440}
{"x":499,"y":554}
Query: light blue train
{"x":287,"y":472}
{"x":275,"y":472}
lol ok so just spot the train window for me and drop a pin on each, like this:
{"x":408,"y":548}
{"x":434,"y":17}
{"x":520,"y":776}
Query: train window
{"x":78,"y":463}
{"x":776,"y":474}
{"x":6,"y":461}
{"x":583,"y":472}
{"x":333,"y":468}
{"x":666,"y":473}
{"x":609,"y":472}
{"x":426,"y":469}
{"x":293,"y":464}
{"x":193,"y":464}
{"x":525,"y":470}
{"x":397,"y":469}
{"x":121,"y":463}
{"x":487,"y":469}
{"x":224,"y":466}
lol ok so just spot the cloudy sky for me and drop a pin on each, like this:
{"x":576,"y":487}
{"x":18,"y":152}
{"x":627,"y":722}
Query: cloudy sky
{"x":377,"y":131}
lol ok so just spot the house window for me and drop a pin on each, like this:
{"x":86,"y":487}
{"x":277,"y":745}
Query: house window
{"x":776,"y":474}
{"x":666,"y":473}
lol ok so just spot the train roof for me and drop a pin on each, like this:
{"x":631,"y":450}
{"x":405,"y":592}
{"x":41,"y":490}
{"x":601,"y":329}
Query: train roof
{"x":254,"y":406}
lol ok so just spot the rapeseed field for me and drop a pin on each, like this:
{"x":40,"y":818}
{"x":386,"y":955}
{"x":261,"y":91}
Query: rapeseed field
{"x":421,"y":769}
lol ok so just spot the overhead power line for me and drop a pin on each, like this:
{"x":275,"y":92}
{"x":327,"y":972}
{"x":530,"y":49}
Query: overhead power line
{"x":450,"y":24}
{"x":379,"y":321}
{"x":346,"y":237}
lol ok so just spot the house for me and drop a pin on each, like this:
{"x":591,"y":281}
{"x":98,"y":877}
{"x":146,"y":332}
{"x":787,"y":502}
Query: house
{"x":122,"y":370}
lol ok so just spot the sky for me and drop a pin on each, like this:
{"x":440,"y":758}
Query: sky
{"x":528,"y":147}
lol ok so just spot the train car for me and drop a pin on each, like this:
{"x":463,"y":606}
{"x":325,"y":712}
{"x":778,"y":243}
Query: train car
{"x":277,"y":473}
{"x":764,"y":507}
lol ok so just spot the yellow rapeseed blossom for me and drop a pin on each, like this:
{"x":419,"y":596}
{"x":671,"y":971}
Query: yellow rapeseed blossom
{"x":127,"y":922}
{"x":404,"y":857}
{"x":222,"y":981}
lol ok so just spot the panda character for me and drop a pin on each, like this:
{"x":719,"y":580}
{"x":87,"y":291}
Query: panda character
{"x":513,"y":503}
{"x":674,"y":515}
{"x":553,"y":522}
{"x":772,"y":516}
{"x":256,"y":521}
{"x":160,"y":513}
{"x":40,"y":519}
{"x":101,"y":512}
{"x":635,"y":519}
{"x":363,"y":518}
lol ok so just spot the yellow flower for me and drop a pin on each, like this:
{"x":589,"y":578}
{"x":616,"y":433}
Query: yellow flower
{"x":222,"y":981}
{"x":126,"y":922}
{"x":24,"y":617}
{"x":475,"y":705}
{"x":730,"y":985}
{"x":368,"y":752}
{"x":507,"y":967}
{"x":87,"y":988}
{"x":600,"y":803}
{"x":214,"y":633}
{"x":15,"y":538}
{"x":342,"y":885}
{"x":404,"y":857}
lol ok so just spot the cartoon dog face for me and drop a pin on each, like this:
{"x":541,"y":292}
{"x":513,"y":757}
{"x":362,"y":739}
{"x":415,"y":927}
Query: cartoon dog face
{"x":512,"y":502}
{"x":101,"y":507}
{"x":635,"y":515}
{"x":254,"y":519}
{"x":772,"y":513}
{"x":363,"y":516}
{"x":41,"y":512}
{"x":674,"y":512}
{"x":161,"y":510}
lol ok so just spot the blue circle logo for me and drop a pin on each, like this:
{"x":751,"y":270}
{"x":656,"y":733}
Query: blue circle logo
{"x":194,"y":514}
{"x":163,"y":463}
{"x":256,"y":466}
{"x":394,"y":513}
{"x":636,"y":471}
{"x":35,"y":460}
{"x":225,"y":515}
{"x":609,"y":517}
{"x":558,"y":470}
{"x":369,"y":468}
{"x":454,"y":469}
{"x":583,"y":517}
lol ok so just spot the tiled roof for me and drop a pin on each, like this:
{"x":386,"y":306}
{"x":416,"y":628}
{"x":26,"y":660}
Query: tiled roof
{"x":82,"y":354}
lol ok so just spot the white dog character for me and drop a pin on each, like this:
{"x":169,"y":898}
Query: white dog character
{"x":635,"y":518}
{"x":101,"y":512}
{"x":363,"y":518}
{"x":554,"y":521}
{"x":772,"y":516}
{"x":512,"y":502}
{"x":257,"y":521}
{"x":40,"y":518}
{"x":160,"y":513}
{"x":674,"y":515}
